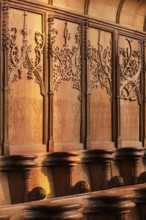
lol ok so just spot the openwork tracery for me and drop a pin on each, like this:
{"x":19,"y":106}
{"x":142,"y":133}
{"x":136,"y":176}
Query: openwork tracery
{"x":19,"y":58}
{"x":100,"y":66}
{"x":130,"y":69}
{"x":67,"y":61}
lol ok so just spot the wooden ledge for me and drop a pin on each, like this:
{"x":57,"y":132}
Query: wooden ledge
{"x":144,"y":152}
{"x":90,"y":156}
{"x":68,"y":158}
{"x":4,"y":217}
{"x":55,"y":211}
{"x":140,"y":195}
{"x":110,"y":203}
{"x":129,"y":153}
{"x":21,"y":162}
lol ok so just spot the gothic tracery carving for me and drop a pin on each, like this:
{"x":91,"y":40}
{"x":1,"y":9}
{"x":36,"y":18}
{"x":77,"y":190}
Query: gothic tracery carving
{"x":100,"y":66}
{"x":67,"y":61}
{"x":17,"y":61}
{"x":130,"y":69}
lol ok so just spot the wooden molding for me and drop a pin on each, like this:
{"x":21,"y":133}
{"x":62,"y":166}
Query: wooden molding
{"x":119,"y":11}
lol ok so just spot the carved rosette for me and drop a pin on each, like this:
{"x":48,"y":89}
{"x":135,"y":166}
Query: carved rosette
{"x":67,"y":60}
{"x":130,"y":69}
{"x":100,"y":61}
{"x":19,"y":57}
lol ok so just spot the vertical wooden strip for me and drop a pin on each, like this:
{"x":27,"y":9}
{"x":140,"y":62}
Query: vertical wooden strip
{"x":51,"y":93}
{"x":144,"y":70}
{"x":144,"y":26}
{"x":6,"y":145}
{"x":118,"y":122}
{"x":114,"y":113}
{"x":1,"y":93}
{"x":45,"y":107}
{"x":83,"y":84}
{"x":141,"y":121}
{"x":88,"y":91}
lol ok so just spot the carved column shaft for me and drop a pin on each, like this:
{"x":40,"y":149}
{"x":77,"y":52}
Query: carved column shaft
{"x":5,"y":76}
{"x":119,"y":142}
{"x":88,"y":91}
{"x":69,"y":179}
{"x":26,"y":179}
{"x":135,"y":165}
{"x":106,"y":169}
{"x":144,"y":69}
{"x":51,"y":92}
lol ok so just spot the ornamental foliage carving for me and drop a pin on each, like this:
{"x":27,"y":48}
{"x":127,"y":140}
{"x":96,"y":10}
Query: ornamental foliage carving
{"x":67,"y":60}
{"x":100,"y":66}
{"x":130,"y":69}
{"x":19,"y":57}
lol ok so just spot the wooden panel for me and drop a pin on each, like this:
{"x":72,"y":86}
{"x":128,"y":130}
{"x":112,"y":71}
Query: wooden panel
{"x":25,"y":78}
{"x":66,"y":83}
{"x":72,"y":5}
{"x":104,"y":9}
{"x":100,"y":62}
{"x":130,"y":90}
{"x":133,"y":14}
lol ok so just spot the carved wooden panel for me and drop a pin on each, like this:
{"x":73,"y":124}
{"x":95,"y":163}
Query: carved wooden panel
{"x":66,"y":78}
{"x":100,"y":71}
{"x":130,"y":63}
{"x":25,"y":66}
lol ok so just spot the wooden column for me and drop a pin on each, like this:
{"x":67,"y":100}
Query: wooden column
{"x":62,"y":164}
{"x":118,"y":122}
{"x":51,"y":38}
{"x":4,"y":217}
{"x":22,"y":164}
{"x":144,"y":70}
{"x":55,"y":211}
{"x":102,"y":156}
{"x":141,"y":202}
{"x":109,"y":206}
{"x":88,"y":90}
{"x":6,"y":144}
{"x":128,"y":158}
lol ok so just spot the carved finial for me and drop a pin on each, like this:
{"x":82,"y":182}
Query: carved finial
{"x":24,"y":31}
{"x":66,"y":35}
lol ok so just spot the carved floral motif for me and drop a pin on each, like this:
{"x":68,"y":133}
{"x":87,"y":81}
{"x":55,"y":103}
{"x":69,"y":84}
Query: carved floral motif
{"x":19,"y":58}
{"x":67,"y":61}
{"x":130,"y":69}
{"x":100,"y":66}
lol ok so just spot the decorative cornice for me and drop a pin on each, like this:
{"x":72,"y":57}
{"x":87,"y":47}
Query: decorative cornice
{"x":119,"y":11}
{"x":70,"y":158}
{"x":55,"y":211}
{"x":21,"y":162}
{"x":131,"y":153}
{"x":90,"y":156}
{"x":113,"y":204}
